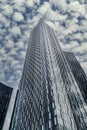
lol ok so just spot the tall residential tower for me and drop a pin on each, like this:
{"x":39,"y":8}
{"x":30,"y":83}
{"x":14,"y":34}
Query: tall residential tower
{"x":49,"y":96}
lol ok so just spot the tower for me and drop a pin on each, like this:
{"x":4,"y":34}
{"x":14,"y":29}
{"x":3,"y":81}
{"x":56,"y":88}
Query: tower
{"x":5,"y":96}
{"x":49,"y":97}
{"x":78,"y":73}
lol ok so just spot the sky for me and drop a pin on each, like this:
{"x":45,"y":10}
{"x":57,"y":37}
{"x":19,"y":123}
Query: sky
{"x":68,"y":18}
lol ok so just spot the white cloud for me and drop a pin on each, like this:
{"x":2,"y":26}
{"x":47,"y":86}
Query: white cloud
{"x":3,"y":1}
{"x":19,"y":5}
{"x":15,"y":31}
{"x":3,"y":19}
{"x":75,"y":6}
{"x":10,"y":44}
{"x":14,"y":63}
{"x":7,"y":10}
{"x":71,"y":46}
{"x":18,"y":17}
{"x":82,"y":47}
{"x":29,"y":3}
{"x":20,"y":44}
{"x":19,"y":2}
{"x":2,"y":51}
{"x":55,"y":16}
{"x":71,"y":29}
{"x":77,"y":36}
{"x":72,"y":22}
{"x":36,"y":1}
{"x":22,"y":54}
{"x":43,"y":9}
{"x":61,"y":4}
{"x":2,"y":32}
{"x":82,"y":1}
{"x":13,"y":51}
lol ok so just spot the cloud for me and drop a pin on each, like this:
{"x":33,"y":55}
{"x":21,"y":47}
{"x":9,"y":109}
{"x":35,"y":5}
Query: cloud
{"x":19,"y":2}
{"x":14,"y":62}
{"x":15,"y":31}
{"x":82,"y":48}
{"x":7,"y":10}
{"x":61,"y":4}
{"x":22,"y":54}
{"x":43,"y":9}
{"x":19,"y":5}
{"x":18,"y":17}
{"x":10,"y":44}
{"x":83,"y":1}
{"x":76,"y":7}
{"x":20,"y":44}
{"x":3,"y":20}
{"x":36,"y":1}
{"x":55,"y":16}
{"x":29,"y":3}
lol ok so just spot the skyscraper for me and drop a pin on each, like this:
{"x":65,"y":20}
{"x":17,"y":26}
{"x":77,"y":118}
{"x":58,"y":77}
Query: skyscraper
{"x":49,"y":97}
{"x":5,"y":95}
{"x":78,"y":73}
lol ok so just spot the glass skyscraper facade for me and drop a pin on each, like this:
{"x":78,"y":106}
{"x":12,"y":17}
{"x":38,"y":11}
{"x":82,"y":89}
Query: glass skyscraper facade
{"x":78,"y":73}
{"x":5,"y":95}
{"x":49,"y":97}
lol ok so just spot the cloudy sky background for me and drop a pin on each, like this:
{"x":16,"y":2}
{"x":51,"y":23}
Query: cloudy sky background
{"x":68,"y":18}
